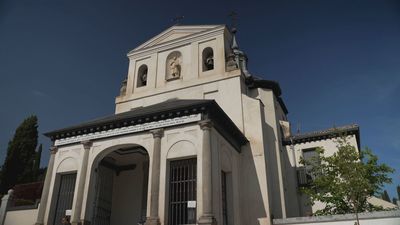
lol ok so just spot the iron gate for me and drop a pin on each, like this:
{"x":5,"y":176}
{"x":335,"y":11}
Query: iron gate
{"x":65,"y":196}
{"x":103,"y":199}
{"x":182,"y":189}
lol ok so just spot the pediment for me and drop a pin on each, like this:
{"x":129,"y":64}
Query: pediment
{"x":174,"y":33}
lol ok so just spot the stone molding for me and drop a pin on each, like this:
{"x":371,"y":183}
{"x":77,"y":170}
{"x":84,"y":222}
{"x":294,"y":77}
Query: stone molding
{"x":87,"y":144}
{"x":157,"y":133}
{"x":206,"y":124}
{"x":53,"y":149}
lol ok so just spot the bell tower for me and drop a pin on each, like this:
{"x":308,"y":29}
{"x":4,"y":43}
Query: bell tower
{"x":175,"y":63}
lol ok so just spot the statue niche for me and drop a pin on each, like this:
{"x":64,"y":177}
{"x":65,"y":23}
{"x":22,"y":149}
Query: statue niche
{"x":173,"y":66}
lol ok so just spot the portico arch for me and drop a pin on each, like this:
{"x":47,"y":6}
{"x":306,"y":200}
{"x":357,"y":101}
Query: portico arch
{"x":118,"y":186}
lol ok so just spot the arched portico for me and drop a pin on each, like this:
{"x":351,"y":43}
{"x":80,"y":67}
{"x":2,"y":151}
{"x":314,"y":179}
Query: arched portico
{"x":118,"y":186}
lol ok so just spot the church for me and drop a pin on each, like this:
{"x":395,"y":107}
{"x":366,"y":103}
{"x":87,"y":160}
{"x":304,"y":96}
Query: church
{"x":195,"y":139}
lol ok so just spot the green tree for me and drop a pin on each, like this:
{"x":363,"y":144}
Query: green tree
{"x":398,"y":191}
{"x":385,"y":196}
{"x":36,"y":163}
{"x":344,"y":180}
{"x":19,"y":163}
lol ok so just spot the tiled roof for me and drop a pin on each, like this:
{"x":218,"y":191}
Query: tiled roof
{"x":324,"y":134}
{"x":164,"y":110}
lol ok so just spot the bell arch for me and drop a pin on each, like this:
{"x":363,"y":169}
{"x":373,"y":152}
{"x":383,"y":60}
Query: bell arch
{"x":142,"y":74}
{"x":208,"y":59}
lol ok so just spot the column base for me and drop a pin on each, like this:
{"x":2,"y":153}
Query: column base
{"x":152,"y":221}
{"x":207,"y":220}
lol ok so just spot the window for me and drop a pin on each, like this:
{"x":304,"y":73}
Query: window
{"x":224,"y":199}
{"x":142,"y":76}
{"x":208,"y":59}
{"x":182,"y":192}
{"x":64,"y":195}
{"x":303,"y":173}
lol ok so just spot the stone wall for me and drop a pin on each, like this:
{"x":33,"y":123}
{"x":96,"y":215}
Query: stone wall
{"x":372,"y":218}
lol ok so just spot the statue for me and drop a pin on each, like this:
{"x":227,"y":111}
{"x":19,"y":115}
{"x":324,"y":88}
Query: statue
{"x":122,"y":91}
{"x":174,"y":67}
{"x":231,"y":63}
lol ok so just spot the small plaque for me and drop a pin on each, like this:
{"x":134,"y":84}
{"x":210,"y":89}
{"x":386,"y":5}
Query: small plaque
{"x":68,"y":212}
{"x":191,"y":204}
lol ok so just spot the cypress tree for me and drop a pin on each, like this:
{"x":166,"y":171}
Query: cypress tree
{"x":398,"y":191}
{"x":19,"y":162}
{"x":385,"y":196}
{"x":36,"y":162}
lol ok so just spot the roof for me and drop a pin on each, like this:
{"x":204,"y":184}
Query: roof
{"x":177,"y":32}
{"x":325,"y":134}
{"x":164,"y":110}
{"x":272,"y":85}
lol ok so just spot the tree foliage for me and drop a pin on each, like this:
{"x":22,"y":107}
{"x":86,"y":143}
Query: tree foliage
{"x":19,"y":164}
{"x":345,"y":180}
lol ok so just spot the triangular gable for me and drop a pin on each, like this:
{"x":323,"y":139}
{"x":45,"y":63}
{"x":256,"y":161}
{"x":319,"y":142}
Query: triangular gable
{"x":173,"y":33}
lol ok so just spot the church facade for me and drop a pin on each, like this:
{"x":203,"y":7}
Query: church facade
{"x":195,"y":139}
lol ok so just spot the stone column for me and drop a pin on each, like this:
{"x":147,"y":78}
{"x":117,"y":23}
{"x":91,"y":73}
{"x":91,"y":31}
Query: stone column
{"x":153,"y":218}
{"x":5,"y":204}
{"x":207,"y":218}
{"x":46,"y":187}
{"x":76,"y":213}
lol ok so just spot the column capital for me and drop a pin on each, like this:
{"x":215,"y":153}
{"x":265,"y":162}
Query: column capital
{"x":53,"y":149}
{"x":87,"y":144}
{"x":157,"y":133}
{"x":206,"y":124}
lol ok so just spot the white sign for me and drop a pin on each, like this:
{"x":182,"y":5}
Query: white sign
{"x":68,"y":212}
{"x":191,"y":204}
{"x":129,"y":129}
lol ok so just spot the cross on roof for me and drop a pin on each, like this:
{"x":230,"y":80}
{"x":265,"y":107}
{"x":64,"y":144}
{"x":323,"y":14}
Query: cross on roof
{"x":177,"y":19}
{"x":233,"y":16}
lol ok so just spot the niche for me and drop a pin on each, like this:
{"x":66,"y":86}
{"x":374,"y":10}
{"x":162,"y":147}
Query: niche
{"x":142,"y":76}
{"x":173,"y":66}
{"x":208,"y":59}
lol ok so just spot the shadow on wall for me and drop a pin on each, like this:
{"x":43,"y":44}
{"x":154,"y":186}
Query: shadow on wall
{"x":293,"y":205}
{"x":253,"y":208}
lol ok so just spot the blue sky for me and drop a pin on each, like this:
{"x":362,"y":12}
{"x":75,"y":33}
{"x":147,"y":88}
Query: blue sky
{"x":338,"y":62}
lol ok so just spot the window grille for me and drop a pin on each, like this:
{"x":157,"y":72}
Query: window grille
{"x":65,"y":196}
{"x":182,"y":189}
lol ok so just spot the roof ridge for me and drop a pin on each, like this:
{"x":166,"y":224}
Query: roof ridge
{"x":328,"y":130}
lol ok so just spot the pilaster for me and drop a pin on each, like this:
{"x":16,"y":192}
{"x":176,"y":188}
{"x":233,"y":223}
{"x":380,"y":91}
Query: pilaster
{"x":46,"y":187}
{"x":153,"y":218}
{"x":76,"y":214}
{"x":208,"y":217}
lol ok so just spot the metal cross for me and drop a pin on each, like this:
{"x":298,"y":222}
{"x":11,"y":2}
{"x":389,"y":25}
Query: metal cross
{"x":233,"y":16}
{"x":177,"y":20}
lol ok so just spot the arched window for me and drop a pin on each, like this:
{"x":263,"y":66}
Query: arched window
{"x":173,"y":67}
{"x":208,"y":59}
{"x":142,"y":76}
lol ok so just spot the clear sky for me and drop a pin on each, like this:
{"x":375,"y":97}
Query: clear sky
{"x":338,"y":62}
